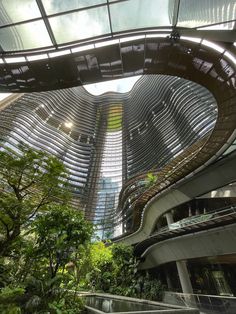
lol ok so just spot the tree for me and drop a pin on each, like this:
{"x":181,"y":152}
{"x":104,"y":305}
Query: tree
{"x":29,"y":181}
{"x":59,"y":235}
{"x":39,"y":234}
{"x":114,"y":269}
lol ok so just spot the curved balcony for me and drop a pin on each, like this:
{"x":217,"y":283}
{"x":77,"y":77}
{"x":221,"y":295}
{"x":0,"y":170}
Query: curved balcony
{"x":213,"y":219}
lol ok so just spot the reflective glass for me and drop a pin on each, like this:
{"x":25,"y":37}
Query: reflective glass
{"x":80,"y":25}
{"x":21,"y":37}
{"x":224,"y":26}
{"x":13,"y":11}
{"x":194,"y":13}
{"x":56,"y":6}
{"x":135,"y":14}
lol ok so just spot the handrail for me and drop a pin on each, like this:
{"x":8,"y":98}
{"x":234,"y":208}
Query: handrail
{"x":213,"y":303}
{"x":193,"y":219}
{"x":226,"y":215}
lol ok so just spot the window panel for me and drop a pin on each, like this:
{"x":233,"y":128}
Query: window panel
{"x":80,"y":25}
{"x":21,"y":37}
{"x":194,"y":13}
{"x":56,"y":6}
{"x":135,"y":14}
{"x":13,"y":11}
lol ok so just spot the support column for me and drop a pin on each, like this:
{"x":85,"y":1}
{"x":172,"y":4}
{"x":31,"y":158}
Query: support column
{"x":168,"y":280}
{"x":181,"y":265}
{"x":169,"y":218}
{"x":186,"y":283}
{"x":184,"y":277}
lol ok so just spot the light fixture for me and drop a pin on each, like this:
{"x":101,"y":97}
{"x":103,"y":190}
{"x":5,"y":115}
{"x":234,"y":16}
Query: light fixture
{"x":68,"y":124}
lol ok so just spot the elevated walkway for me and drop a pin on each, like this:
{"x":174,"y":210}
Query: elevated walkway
{"x":189,"y":225}
{"x":212,"y":242}
{"x":213,"y":177}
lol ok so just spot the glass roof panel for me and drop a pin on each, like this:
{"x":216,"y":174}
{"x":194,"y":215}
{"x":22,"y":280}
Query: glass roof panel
{"x":135,"y":14}
{"x":223,"y":26}
{"x":12,"y":12}
{"x":80,"y":25}
{"x":86,"y":21}
{"x":194,"y":13}
{"x":24,"y":36}
{"x":56,"y":6}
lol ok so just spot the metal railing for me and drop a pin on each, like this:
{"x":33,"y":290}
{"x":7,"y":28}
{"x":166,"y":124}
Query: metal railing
{"x":207,"y":304}
{"x":198,"y":219}
{"x":201,"y":222}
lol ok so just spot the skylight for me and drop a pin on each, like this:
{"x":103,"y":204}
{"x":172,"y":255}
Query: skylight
{"x":4,"y":95}
{"x":67,"y":22}
{"x":123,"y":85}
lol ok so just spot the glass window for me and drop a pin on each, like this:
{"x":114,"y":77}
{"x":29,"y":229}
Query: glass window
{"x":80,"y":25}
{"x":13,"y":11}
{"x":135,"y":14}
{"x":56,"y":6}
{"x":194,"y":13}
{"x":22,"y":37}
{"x":224,"y":26}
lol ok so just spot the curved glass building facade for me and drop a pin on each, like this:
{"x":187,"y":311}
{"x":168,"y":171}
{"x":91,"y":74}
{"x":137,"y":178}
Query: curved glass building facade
{"x":108,"y":139}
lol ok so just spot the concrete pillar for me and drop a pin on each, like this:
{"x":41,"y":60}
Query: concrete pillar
{"x":189,"y":211}
{"x":184,"y":277}
{"x":186,"y":283}
{"x":181,"y":266}
{"x":169,"y":218}
{"x":168,"y":280}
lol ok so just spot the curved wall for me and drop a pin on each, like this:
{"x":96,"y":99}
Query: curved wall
{"x":164,"y":115}
{"x":106,"y":139}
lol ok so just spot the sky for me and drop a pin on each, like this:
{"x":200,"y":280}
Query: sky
{"x":4,"y":95}
{"x":119,"y":86}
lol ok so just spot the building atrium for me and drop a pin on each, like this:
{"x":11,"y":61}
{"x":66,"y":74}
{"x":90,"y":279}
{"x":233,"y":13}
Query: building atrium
{"x":138,"y":99}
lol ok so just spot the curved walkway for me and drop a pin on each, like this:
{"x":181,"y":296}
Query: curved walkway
{"x":217,"y":175}
{"x":212,"y":242}
{"x":190,"y":225}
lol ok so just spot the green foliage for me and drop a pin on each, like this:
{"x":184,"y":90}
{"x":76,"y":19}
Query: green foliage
{"x":45,"y":245}
{"x":114,"y":121}
{"x":151,"y":288}
{"x":114,"y":269}
{"x":39,"y":235}
{"x":59,"y":234}
{"x":9,"y":297}
{"x":28,"y":183}
{"x":70,"y":304}
{"x":151,"y":179}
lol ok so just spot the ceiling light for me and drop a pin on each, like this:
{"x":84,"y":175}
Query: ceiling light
{"x":212,"y":45}
{"x":161,"y":35}
{"x":194,"y":39}
{"x":59,"y":53}
{"x":230,"y":56}
{"x":15,"y":60}
{"x":82,"y":48}
{"x":131,"y":38}
{"x":37,"y":57}
{"x":107,"y":43}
